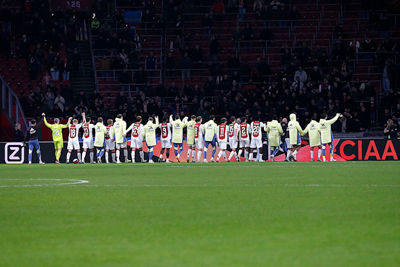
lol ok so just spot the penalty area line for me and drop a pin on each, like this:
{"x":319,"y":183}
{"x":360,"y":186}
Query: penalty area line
{"x":64,"y":182}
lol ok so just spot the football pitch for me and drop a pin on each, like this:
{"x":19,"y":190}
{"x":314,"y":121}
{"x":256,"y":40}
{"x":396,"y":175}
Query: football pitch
{"x":235,"y":214}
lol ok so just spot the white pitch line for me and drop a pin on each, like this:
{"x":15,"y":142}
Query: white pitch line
{"x":71,"y":182}
{"x":240,"y":185}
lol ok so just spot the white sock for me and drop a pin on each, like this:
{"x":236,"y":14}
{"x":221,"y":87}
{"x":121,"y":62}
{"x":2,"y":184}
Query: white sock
{"x":312,"y":154}
{"x":133,"y":155}
{"x":240,"y":153}
{"x":189,"y":153}
{"x":251,"y":156}
{"x":113,"y":156}
{"x":91,"y":156}
{"x":198,"y":155}
{"x":141,"y":153}
{"x":68,"y":156}
{"x":79,"y":157}
{"x":224,"y":155}
{"x":319,"y":153}
{"x":193,"y":154}
{"x":106,"y":155}
{"x":219,"y":154}
{"x":126,"y":154}
{"x":289,"y":153}
{"x":258,"y":154}
{"x":230,"y":155}
{"x":83,"y":156}
{"x":246,"y":154}
{"x":294,"y":154}
{"x":118,"y":152}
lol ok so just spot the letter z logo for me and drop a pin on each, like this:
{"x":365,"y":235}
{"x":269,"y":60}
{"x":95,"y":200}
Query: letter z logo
{"x":12,"y":155}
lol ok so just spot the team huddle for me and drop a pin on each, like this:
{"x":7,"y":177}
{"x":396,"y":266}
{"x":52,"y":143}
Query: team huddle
{"x":241,"y":137}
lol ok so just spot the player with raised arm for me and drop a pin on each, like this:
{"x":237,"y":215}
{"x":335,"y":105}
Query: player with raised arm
{"x":120,"y":139}
{"x":210,"y":131}
{"x":275,"y":131}
{"x":165,"y":128}
{"x":56,"y":130}
{"x":314,"y":137}
{"x":222,"y":137}
{"x":33,"y":141}
{"x":198,"y":137}
{"x":177,"y":134}
{"x":244,"y":138}
{"x":190,"y":139}
{"x":149,"y":134}
{"x":136,"y":138}
{"x":256,"y":139}
{"x":73,"y":140}
{"x":233,"y":138}
{"x":109,"y":138}
{"x":87,"y":138}
{"x":326,"y":133}
{"x":294,"y":135}
{"x":100,"y":132}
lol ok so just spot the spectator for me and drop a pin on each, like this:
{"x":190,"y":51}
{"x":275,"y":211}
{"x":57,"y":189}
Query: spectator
{"x":391,"y":130}
{"x":59,"y":101}
{"x":150,"y":62}
{"x":18,"y":133}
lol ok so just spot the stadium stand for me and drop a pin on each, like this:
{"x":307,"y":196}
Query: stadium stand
{"x":253,"y":58}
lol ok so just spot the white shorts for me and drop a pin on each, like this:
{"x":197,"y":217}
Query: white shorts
{"x":166,"y":143}
{"x":136,"y":143}
{"x":233,"y":143}
{"x":244,"y":143}
{"x":199,"y":143}
{"x":88,"y":143}
{"x":110,"y":145}
{"x":255,"y":143}
{"x":120,"y":145}
{"x":222,"y":145}
{"x":73,"y":144}
{"x":288,"y":144}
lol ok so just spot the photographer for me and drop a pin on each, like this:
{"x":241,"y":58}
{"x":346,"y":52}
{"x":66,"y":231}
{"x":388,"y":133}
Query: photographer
{"x":391,"y":130}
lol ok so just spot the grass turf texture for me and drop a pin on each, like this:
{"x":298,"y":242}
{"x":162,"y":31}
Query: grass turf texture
{"x":246,"y":214}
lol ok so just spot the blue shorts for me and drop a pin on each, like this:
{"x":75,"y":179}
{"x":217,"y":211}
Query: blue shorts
{"x":34,"y":144}
{"x":206,"y":143}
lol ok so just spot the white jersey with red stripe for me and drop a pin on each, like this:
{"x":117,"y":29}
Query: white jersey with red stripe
{"x":222,"y":133}
{"x":73,"y":131}
{"x":110,"y":131}
{"x":87,"y":131}
{"x":137,"y":131}
{"x":244,"y":131}
{"x":233,"y":131}
{"x":255,"y":129}
{"x":198,"y":131}
{"x":165,"y":131}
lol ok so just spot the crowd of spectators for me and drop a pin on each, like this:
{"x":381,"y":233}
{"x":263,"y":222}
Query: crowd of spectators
{"x":312,"y":81}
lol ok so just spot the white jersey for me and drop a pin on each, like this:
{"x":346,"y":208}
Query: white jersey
{"x":87,"y":131}
{"x":233,"y":131}
{"x":222,"y":133}
{"x":165,"y":131}
{"x":137,"y":131}
{"x":255,"y":129}
{"x":244,"y":131}
{"x":73,"y":131}
{"x":110,"y":132}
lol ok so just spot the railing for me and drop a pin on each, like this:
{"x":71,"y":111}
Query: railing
{"x":92,"y":56}
{"x":10,"y":104}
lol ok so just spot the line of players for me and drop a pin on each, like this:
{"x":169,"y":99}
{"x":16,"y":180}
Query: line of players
{"x":243,"y":138}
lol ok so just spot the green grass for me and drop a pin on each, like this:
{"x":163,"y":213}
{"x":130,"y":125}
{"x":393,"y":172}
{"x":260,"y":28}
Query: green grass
{"x":237,"y":214}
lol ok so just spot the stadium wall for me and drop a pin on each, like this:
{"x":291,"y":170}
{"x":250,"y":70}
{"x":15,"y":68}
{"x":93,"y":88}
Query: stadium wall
{"x":345,"y":150}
